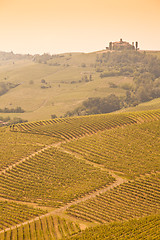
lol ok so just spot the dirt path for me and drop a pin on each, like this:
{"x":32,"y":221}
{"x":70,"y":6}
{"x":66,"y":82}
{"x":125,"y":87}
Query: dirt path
{"x":118,"y":180}
{"x":57,"y":145}
{"x":41,"y":105}
{"x":26,"y":158}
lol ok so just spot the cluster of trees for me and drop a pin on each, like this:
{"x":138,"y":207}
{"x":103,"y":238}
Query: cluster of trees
{"x":97,"y":105}
{"x":46,"y":85}
{"x":46,"y":57}
{"x":3,"y":88}
{"x":53,"y":116}
{"x":10,"y":55}
{"x":143,"y":67}
{"x":12,"y":110}
{"x":6,"y":86}
{"x":8,"y":121}
{"x":129,"y":62}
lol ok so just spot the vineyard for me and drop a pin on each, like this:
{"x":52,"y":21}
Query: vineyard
{"x":71,"y":128}
{"x":51,"y":178}
{"x":13,"y":213}
{"x":144,"y":228}
{"x":122,"y":149}
{"x":129,"y":200}
{"x":61,"y":176}
{"x":14,"y":147}
{"x":50,"y":228}
{"x":75,"y":127}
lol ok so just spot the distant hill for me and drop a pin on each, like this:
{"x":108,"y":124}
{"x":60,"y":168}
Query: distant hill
{"x":4,"y":56}
{"x":56,"y":84}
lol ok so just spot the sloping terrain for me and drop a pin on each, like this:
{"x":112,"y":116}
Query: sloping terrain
{"x":54,"y":87}
{"x":45,"y":85}
{"x":144,"y":228}
{"x":150,"y":105}
{"x":61,"y":176}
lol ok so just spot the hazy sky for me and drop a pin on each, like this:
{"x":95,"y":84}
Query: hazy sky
{"x":56,"y":26}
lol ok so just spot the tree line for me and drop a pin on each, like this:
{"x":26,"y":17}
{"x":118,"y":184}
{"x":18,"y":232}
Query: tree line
{"x":12,"y":110}
{"x":144,"y":69}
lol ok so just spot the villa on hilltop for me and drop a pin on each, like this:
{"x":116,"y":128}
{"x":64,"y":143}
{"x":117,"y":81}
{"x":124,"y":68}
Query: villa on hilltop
{"x":122,"y":45}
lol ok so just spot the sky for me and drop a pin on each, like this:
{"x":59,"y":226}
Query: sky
{"x":58,"y":26}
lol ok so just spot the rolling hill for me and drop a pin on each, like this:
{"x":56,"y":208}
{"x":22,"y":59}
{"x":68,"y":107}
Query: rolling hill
{"x":45,"y":85}
{"x":87,"y":177}
{"x":64,"y":88}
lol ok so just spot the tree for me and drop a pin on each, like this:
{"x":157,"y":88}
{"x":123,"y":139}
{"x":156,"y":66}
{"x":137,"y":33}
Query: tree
{"x":53,"y":116}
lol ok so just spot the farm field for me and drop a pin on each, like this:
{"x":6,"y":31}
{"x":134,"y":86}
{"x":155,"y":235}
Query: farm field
{"x":14,"y":213}
{"x":51,"y":178}
{"x":14,"y":147}
{"x":122,"y":149}
{"x":61,"y":176}
{"x":63,"y":90}
{"x":68,"y":128}
{"x":132,"y":199}
{"x":144,"y":228}
{"x":47,"y":85}
{"x":51,"y":227}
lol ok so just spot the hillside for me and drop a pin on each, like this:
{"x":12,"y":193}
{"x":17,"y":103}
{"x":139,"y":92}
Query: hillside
{"x":81,"y":177}
{"x":62,"y":90}
{"x":150,"y":105}
{"x":45,"y":85}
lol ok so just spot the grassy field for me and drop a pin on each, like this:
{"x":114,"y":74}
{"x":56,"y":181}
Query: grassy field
{"x":65,"y":89}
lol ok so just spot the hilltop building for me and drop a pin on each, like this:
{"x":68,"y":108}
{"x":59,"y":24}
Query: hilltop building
{"x":122,"y":45}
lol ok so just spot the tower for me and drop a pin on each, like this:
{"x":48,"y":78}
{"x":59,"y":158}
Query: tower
{"x":110,"y":46}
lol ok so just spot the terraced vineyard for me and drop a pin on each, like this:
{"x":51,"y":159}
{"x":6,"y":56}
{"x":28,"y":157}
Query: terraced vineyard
{"x":132,"y":199}
{"x":14,"y":147}
{"x":50,"y":228}
{"x":144,"y":228}
{"x":51,"y":178}
{"x":122,"y":149}
{"x":14,"y":213}
{"x":59,"y":176}
{"x":75,"y":127}
{"x":70,"y":128}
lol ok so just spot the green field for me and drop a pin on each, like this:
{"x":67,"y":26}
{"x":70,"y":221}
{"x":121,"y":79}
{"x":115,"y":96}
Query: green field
{"x":87,"y":177}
